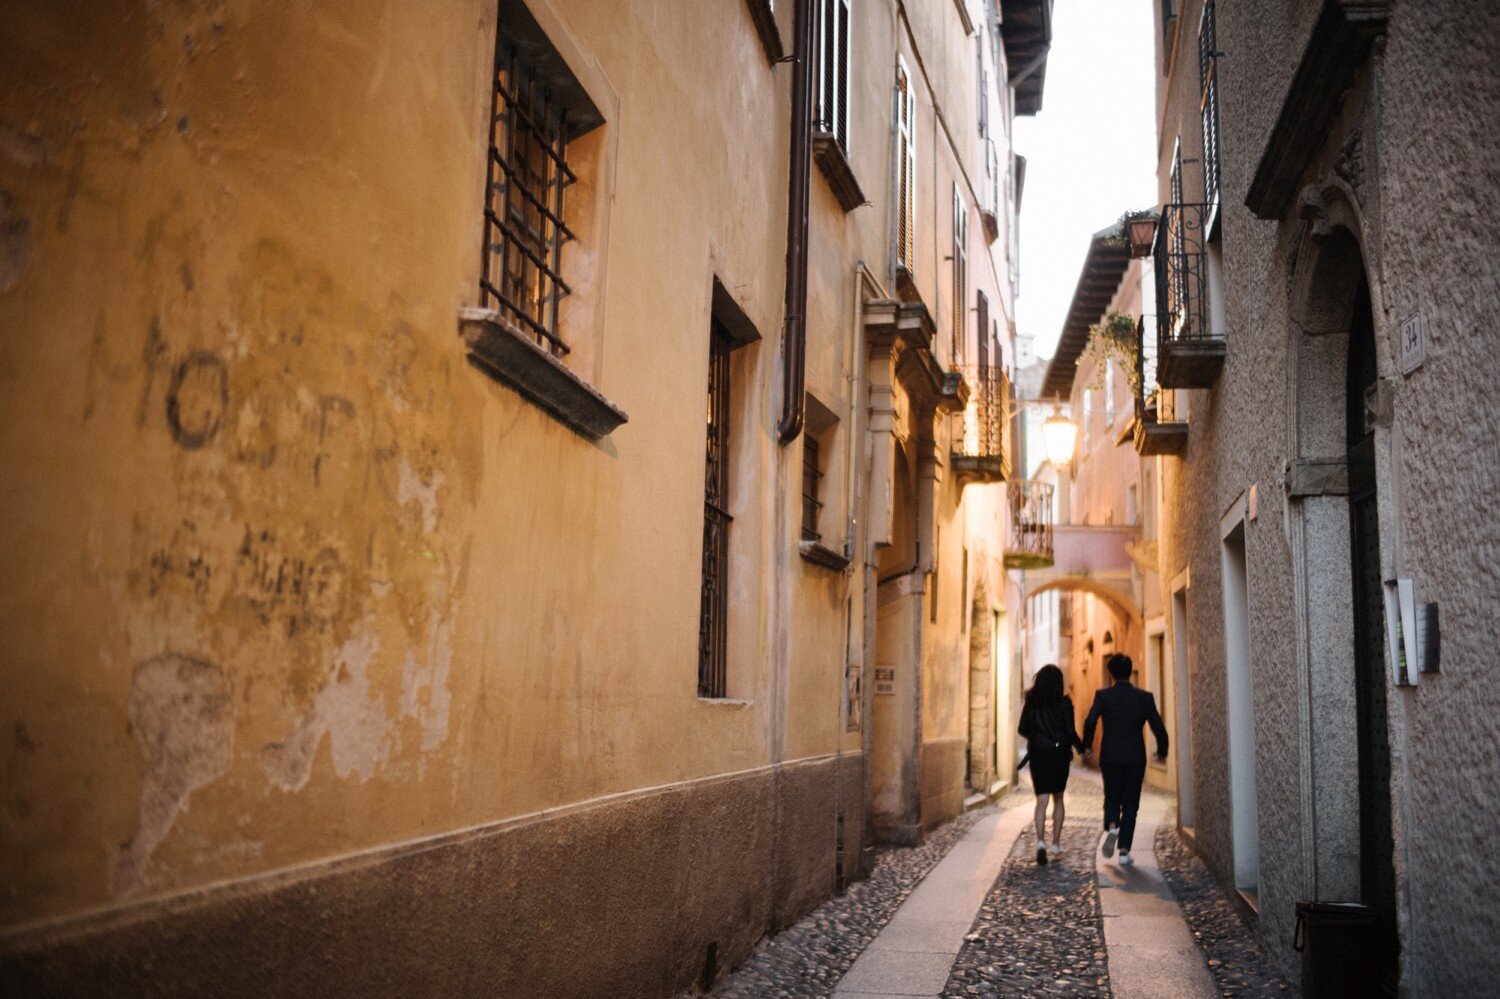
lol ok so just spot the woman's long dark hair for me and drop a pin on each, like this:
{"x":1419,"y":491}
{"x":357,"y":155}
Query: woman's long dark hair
{"x":1047,"y":688}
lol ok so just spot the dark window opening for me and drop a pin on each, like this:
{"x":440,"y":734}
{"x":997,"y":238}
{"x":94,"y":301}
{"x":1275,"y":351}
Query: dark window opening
{"x":833,"y":71}
{"x":812,"y":474}
{"x":713,"y":617}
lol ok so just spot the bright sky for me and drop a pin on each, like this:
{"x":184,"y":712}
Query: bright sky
{"x":1090,"y":153}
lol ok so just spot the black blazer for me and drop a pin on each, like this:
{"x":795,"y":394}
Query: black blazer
{"x":1125,"y":709}
{"x":1050,"y":727}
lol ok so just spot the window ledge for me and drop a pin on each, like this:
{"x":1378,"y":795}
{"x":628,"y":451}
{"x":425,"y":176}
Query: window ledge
{"x":836,"y":170}
{"x":765,"y":26}
{"x":501,"y":351}
{"x":820,"y":554}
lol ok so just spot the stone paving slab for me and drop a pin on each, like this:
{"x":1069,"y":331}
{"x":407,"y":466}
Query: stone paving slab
{"x":897,"y":972}
{"x":1151,"y":951}
{"x":806,"y":960}
{"x":933,"y":936}
{"x":914,"y":952}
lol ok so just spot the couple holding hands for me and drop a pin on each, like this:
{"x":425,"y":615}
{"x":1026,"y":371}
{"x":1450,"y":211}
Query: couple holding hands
{"x":1047,"y":724}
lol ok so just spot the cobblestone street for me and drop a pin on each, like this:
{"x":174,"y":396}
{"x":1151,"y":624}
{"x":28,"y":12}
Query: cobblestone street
{"x":1078,"y":926}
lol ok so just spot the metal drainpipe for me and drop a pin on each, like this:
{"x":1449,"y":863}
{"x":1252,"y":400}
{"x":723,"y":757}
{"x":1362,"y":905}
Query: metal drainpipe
{"x":794,"y":361}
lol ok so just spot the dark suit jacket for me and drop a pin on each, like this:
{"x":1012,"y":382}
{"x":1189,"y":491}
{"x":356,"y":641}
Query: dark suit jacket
{"x":1124,"y":709}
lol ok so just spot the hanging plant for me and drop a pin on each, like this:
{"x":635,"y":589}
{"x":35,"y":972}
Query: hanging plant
{"x":1136,"y":231}
{"x":1114,"y":338}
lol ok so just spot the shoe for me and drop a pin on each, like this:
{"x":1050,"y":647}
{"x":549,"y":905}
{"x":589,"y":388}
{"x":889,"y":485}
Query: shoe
{"x":1108,"y":849}
{"x":1054,"y":849}
{"x":1125,"y":859}
{"x":1041,"y":853}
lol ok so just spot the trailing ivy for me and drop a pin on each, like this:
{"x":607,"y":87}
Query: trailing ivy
{"x":1114,"y":338}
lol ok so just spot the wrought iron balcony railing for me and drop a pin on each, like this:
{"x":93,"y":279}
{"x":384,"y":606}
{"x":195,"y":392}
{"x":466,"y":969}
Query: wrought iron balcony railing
{"x":1159,"y":427}
{"x":982,"y":434}
{"x":1191,"y":348}
{"x":1029,"y":543}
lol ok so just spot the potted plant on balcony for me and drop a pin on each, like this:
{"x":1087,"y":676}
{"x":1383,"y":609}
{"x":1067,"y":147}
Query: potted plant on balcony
{"x":1139,"y":230}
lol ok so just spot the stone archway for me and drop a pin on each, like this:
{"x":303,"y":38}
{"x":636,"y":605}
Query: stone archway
{"x":1335,"y":395}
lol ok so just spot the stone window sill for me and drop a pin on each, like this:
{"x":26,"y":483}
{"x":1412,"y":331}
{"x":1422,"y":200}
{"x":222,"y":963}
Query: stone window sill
{"x":820,"y":554}
{"x":501,"y":351}
{"x":836,"y":170}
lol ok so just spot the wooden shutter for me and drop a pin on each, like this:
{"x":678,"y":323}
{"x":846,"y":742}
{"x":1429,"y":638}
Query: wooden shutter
{"x":906,"y":169}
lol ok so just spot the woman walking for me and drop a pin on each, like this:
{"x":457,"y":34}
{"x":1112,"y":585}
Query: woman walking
{"x":1047,"y":724}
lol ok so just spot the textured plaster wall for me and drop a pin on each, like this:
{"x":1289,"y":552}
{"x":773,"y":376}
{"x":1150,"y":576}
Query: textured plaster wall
{"x":289,"y":580}
{"x":1416,"y":190}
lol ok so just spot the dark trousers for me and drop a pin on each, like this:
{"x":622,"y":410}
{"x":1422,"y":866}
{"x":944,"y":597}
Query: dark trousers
{"x":1122,"y":798}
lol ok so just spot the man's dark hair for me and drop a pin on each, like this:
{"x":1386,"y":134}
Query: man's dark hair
{"x":1120,"y":667}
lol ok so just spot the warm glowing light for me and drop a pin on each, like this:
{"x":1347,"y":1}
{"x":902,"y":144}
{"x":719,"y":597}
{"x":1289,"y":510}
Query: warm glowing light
{"x":1059,"y":435}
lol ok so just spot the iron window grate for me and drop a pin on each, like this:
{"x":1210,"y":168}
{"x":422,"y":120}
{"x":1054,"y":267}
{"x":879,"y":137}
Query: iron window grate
{"x":812,"y":475}
{"x":526,"y":175}
{"x":713,"y":616}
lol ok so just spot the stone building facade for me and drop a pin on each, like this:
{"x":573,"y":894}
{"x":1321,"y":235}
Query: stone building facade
{"x":1327,"y":280}
{"x":384,"y":614}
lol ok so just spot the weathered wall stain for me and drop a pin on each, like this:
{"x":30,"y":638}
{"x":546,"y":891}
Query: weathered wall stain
{"x":197,"y":399}
{"x":413,"y":488}
{"x":182,"y":714}
{"x":15,"y":242}
{"x":345,"y":708}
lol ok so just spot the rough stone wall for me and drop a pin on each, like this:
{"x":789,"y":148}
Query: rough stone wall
{"x":1419,"y":178}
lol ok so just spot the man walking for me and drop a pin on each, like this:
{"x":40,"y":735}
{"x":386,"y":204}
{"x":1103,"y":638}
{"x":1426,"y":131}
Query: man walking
{"x":1124,"y":709}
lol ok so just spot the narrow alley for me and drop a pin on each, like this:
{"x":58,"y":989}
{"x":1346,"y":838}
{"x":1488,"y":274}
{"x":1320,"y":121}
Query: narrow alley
{"x":971,"y":913}
{"x":632,"y":499}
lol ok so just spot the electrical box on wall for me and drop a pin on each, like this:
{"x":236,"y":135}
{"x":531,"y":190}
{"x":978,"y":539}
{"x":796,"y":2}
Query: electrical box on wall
{"x":1411,"y":632}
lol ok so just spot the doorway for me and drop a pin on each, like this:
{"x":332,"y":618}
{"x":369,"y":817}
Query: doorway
{"x":1377,"y":875}
{"x":1182,"y":736}
{"x":1239,"y":688}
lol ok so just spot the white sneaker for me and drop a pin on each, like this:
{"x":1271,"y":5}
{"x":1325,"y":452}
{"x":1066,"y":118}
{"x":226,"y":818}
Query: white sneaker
{"x":1108,"y":849}
{"x":1054,"y":849}
{"x":1125,"y":859}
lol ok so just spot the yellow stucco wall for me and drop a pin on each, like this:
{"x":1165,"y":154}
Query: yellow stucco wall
{"x":288,"y":578}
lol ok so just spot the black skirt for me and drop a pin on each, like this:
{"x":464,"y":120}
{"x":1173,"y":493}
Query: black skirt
{"x":1049,"y":769}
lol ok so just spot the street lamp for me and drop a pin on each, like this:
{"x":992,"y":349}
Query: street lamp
{"x":1059,"y":435}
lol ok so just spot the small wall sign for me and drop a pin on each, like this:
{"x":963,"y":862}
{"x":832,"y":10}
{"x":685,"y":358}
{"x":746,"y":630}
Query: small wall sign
{"x":885,"y":680}
{"x":1413,"y":343}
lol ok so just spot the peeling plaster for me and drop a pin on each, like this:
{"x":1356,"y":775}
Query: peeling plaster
{"x":412,"y":488}
{"x":431,"y":713}
{"x":361,"y":733}
{"x":182,"y":714}
{"x":345,"y":708}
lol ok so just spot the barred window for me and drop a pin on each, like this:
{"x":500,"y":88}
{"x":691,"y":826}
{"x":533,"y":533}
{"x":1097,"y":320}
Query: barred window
{"x":960,"y":278}
{"x":906,"y":165}
{"x":833,"y":71}
{"x":713,"y":616}
{"x":812,"y":473}
{"x":1208,"y":76}
{"x":536,"y":108}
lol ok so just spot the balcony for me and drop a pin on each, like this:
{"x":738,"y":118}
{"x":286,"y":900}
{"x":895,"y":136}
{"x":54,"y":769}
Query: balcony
{"x":1191,"y":343}
{"x":981,"y":438}
{"x":1029,"y":543}
{"x":1160,"y":413}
